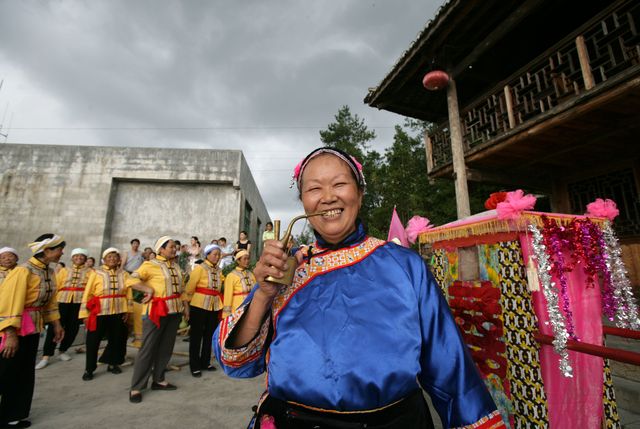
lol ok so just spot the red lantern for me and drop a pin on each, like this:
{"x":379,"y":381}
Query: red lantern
{"x":435,"y":80}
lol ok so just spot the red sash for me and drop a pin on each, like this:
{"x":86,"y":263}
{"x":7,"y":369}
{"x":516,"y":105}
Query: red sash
{"x":94,"y":307}
{"x":73,"y":289}
{"x":207,"y":291}
{"x":159,"y":308}
{"x":241,"y":293}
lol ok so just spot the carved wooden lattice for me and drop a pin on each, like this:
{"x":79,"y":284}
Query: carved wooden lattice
{"x":612,"y":45}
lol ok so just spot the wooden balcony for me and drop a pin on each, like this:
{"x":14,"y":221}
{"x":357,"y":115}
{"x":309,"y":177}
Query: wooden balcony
{"x":569,"y":108}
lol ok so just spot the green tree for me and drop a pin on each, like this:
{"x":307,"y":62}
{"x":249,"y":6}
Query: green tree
{"x":404,"y":184}
{"x":306,"y":235}
{"x":348,"y":133}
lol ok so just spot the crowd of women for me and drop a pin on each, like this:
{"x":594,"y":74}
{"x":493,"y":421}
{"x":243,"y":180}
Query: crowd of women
{"x":143,"y":292}
{"x":352,"y":342}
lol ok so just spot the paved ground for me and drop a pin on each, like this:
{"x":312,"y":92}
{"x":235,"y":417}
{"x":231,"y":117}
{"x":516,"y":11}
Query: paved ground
{"x":63,"y":400}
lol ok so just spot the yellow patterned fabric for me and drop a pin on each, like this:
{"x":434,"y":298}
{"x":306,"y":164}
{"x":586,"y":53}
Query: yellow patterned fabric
{"x":71,"y":283}
{"x":113,"y":287}
{"x":611,"y":417}
{"x":31,"y":286}
{"x":239,"y":356}
{"x":165,"y":278}
{"x":3,"y":274}
{"x":204,"y":276}
{"x":322,"y":264}
{"x":527,"y":392}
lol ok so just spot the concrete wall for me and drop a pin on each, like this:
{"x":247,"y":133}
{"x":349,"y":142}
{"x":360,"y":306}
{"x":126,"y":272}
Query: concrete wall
{"x":100,"y":196}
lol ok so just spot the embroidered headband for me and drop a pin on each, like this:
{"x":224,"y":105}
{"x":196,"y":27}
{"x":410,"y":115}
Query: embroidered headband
{"x":79,"y":251}
{"x":354,"y":165}
{"x":110,"y":250}
{"x":8,"y":249}
{"x":161,"y":241}
{"x":210,"y":248}
{"x":241,"y":253}
{"x":38,"y":246}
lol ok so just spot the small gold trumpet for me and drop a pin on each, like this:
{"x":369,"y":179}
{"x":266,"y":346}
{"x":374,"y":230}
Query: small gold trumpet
{"x":287,"y":278}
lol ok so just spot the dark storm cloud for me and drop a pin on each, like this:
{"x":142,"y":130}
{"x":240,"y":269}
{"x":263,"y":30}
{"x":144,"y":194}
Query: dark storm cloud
{"x":258,"y":76}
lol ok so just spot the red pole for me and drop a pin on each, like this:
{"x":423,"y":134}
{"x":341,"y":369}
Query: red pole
{"x":592,"y":349}
{"x":621,"y":332}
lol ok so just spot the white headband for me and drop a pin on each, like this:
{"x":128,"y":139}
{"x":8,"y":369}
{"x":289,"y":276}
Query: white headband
{"x":161,"y":242}
{"x":109,"y":250}
{"x":8,"y":249}
{"x":210,"y":248}
{"x":38,"y":246}
{"x":79,"y":251}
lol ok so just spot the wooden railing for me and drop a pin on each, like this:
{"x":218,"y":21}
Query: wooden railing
{"x":612,"y":353}
{"x":603,"y":48}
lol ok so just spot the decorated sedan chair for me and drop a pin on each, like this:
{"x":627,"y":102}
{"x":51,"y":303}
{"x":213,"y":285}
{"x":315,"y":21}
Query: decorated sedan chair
{"x":513,"y":276}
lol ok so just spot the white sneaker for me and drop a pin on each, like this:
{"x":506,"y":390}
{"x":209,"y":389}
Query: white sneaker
{"x":42,"y":364}
{"x":64,"y":357}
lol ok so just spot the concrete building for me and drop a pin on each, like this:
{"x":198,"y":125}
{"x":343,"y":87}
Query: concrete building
{"x":104,"y":196}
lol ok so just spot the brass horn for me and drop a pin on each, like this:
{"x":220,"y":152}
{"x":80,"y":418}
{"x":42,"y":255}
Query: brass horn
{"x":287,"y":278}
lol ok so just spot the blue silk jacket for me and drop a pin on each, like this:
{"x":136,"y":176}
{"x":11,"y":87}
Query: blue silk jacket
{"x":358,"y":329}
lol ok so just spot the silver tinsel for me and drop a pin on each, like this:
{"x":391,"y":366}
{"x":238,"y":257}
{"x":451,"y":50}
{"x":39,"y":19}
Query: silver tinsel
{"x":551,"y":295}
{"x":626,"y":305}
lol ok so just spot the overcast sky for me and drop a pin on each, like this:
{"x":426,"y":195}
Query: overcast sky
{"x":260,"y":76}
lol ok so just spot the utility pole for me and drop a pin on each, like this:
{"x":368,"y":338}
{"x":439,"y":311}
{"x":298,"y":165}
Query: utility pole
{"x":6,"y":133}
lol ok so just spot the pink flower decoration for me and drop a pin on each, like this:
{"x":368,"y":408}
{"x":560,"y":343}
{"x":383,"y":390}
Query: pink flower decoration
{"x":515,"y":203}
{"x":415,"y":226}
{"x":353,"y":158}
{"x":267,"y":422}
{"x":296,"y":171}
{"x":603,"y":208}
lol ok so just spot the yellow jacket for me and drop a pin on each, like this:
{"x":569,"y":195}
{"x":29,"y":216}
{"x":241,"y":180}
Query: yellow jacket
{"x":237,"y":286}
{"x":204,"y":277}
{"x":30,"y":286}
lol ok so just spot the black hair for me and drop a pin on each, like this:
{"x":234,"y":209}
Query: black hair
{"x":222,"y":238}
{"x":164,"y":245}
{"x":92,"y":258}
{"x":177,"y":243}
{"x":269,"y":223}
{"x":62,"y":263}
{"x":135,"y":239}
{"x":244,"y":232}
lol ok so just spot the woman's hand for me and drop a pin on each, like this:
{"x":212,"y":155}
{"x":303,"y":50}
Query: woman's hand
{"x":58,"y":331}
{"x":10,"y":341}
{"x":272,"y":262}
{"x":186,"y":311}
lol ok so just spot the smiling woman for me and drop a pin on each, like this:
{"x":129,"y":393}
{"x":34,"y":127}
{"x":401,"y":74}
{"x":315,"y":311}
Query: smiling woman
{"x":359,"y":334}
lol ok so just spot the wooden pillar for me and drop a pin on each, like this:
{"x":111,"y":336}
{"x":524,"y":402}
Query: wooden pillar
{"x":508,"y":97}
{"x":428,"y":147}
{"x":457,"y":151}
{"x":583,"y":56}
{"x":560,"y":197}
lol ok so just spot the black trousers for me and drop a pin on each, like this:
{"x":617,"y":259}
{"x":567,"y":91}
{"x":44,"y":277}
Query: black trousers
{"x":70,"y":322}
{"x":410,"y":413}
{"x":203,"y":323}
{"x":115,"y":329}
{"x":17,"y":380}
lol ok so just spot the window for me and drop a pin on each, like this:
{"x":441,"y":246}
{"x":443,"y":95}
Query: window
{"x":247,"y":217}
